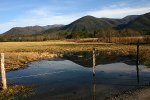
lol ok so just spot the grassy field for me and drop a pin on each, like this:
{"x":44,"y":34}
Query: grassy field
{"x":19,"y":54}
{"x":118,"y":40}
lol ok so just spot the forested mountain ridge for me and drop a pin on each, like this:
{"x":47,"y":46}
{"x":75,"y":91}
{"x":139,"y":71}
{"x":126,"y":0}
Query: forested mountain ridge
{"x":87,"y":26}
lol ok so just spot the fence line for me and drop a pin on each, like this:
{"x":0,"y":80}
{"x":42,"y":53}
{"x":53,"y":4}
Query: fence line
{"x":94,"y":65}
{"x":60,"y":72}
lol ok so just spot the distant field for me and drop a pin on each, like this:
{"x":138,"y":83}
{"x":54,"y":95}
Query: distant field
{"x":118,"y":40}
{"x":18,"y":54}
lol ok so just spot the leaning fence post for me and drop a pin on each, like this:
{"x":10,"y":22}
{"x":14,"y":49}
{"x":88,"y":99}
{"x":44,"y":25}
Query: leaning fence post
{"x":3,"y":73}
{"x":94,"y":61}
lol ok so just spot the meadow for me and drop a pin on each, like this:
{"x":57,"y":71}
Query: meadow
{"x":19,"y":54}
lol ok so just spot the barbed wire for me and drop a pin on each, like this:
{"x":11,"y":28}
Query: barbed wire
{"x":80,"y":59}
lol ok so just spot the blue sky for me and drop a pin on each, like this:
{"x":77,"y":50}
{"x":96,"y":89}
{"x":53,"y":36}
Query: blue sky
{"x":20,"y":13}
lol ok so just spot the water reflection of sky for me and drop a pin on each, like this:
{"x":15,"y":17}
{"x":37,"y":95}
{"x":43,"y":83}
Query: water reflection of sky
{"x":64,"y":76}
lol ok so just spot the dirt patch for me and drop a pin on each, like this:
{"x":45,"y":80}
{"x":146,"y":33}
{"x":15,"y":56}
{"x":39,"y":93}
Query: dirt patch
{"x":137,"y":94}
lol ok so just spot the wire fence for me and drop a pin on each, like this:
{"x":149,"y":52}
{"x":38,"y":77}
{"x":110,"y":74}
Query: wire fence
{"x":82,"y":58}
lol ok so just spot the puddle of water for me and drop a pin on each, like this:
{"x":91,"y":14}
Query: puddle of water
{"x":72,"y":79}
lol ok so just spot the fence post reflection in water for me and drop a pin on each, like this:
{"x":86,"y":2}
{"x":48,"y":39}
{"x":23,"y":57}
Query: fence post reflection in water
{"x":94,"y":87}
{"x":137,"y":62}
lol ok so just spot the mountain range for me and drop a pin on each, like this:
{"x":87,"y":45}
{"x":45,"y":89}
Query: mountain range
{"x":89,"y":26}
{"x":29,"y":30}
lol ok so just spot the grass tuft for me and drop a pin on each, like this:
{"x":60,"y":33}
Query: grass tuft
{"x":16,"y":93}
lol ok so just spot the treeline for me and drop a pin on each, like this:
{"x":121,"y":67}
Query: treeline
{"x":105,"y":34}
{"x":32,"y":38}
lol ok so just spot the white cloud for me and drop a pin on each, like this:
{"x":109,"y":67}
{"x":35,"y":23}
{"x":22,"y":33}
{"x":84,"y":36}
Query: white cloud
{"x":118,"y":12}
{"x":38,"y":17}
{"x":39,"y":12}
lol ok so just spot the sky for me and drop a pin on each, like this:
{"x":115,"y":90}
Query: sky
{"x":21,"y":13}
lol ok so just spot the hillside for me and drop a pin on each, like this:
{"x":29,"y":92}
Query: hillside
{"x":87,"y":26}
{"x":142,"y":24}
{"x":30,"y":30}
{"x":87,"y":23}
{"x":19,"y":31}
{"x":119,"y":22}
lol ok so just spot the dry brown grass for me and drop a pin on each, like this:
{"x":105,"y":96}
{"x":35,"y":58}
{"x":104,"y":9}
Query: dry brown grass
{"x":119,"y":40}
{"x":18,"y":54}
{"x":16,"y":93}
{"x":131,"y":40}
{"x":19,"y":60}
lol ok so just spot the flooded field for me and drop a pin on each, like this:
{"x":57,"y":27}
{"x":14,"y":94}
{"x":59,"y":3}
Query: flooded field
{"x":71,"y":77}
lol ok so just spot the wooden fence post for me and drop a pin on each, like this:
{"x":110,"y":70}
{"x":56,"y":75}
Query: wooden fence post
{"x":137,"y":61}
{"x":94,"y":59}
{"x":3,"y":73}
